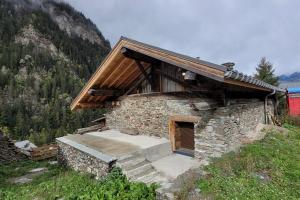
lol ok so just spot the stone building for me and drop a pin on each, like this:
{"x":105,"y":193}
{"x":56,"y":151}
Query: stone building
{"x":202,"y":108}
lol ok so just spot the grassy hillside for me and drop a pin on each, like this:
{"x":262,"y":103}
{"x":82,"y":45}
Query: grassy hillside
{"x":63,"y":183}
{"x":268,"y":169}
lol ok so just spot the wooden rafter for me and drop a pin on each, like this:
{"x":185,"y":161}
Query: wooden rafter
{"x":115,"y":72}
{"x":134,"y":77}
{"x":122,"y":73}
{"x":137,"y":56}
{"x":128,"y":75}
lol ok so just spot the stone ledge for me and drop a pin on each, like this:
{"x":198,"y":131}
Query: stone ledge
{"x":103,"y":157}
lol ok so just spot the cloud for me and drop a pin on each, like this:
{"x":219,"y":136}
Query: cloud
{"x":217,"y":31}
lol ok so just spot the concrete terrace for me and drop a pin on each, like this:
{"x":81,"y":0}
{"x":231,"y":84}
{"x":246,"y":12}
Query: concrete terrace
{"x":142,"y":158}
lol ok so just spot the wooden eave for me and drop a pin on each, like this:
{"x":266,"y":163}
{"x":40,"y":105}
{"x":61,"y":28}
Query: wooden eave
{"x":120,"y":72}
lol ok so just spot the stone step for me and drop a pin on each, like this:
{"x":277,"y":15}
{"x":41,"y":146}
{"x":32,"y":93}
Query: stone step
{"x":128,"y":163}
{"x":134,"y":173}
{"x":129,"y":167}
{"x":148,"y":178}
{"x":126,"y":158}
{"x":140,"y":173}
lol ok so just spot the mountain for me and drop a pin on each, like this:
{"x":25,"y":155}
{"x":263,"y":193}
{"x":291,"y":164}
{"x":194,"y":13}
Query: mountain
{"x":48,"y":50}
{"x":290,"y":78}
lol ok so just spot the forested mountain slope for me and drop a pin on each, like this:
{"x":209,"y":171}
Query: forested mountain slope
{"x":47,"y":52}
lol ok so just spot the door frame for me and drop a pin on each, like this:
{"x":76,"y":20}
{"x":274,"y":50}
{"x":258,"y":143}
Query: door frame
{"x":172,"y":125}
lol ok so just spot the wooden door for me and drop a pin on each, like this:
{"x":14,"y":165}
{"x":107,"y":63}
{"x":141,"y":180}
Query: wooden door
{"x":184,"y":135}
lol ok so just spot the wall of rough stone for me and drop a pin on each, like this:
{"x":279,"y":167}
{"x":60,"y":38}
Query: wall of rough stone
{"x":221,"y":129}
{"x":228,"y":127}
{"x":150,"y":114}
{"x":80,"y":161}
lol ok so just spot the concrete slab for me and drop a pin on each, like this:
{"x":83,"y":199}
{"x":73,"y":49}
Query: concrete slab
{"x":102,"y":145}
{"x":112,"y":144}
{"x":174,"y":165}
{"x":141,"y":141}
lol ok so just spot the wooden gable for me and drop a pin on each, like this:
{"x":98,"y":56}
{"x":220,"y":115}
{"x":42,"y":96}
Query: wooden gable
{"x":133,"y":66}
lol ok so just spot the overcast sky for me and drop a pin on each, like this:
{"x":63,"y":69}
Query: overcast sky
{"x":217,"y":31}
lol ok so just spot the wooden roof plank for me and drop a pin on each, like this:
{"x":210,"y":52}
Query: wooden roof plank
{"x":111,"y":73}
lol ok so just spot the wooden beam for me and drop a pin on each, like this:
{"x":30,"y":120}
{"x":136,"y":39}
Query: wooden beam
{"x":104,"y":92}
{"x":142,"y":69}
{"x":137,"y":56}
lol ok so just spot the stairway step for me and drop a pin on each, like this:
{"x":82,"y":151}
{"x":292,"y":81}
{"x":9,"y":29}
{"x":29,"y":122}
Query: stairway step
{"x":132,"y":167}
{"x":148,"y":178}
{"x":129,"y":163}
{"x":139,"y":170}
{"x":139,"y":173}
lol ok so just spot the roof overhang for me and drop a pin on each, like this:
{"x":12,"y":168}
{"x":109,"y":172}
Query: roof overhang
{"x":119,"y":71}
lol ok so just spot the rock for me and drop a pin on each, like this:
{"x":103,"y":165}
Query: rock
{"x":263,"y":176}
{"x":22,"y":180}
{"x":25,"y":146}
{"x":28,"y":177}
{"x":54,"y":162}
{"x":38,"y":170}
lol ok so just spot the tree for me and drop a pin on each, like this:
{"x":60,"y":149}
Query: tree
{"x":265,"y":72}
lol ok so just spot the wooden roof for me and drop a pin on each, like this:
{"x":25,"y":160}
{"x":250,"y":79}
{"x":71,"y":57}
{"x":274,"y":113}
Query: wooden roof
{"x":119,"y":71}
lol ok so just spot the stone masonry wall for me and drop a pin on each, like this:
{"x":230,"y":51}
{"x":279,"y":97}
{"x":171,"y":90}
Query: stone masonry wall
{"x":80,"y":161}
{"x":150,"y":114}
{"x":221,"y":129}
{"x":227,"y":128}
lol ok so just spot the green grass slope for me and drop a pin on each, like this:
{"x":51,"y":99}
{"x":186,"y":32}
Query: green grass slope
{"x":268,"y":169}
{"x":62,"y":183}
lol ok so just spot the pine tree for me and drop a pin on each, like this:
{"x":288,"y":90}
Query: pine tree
{"x":265,"y":72}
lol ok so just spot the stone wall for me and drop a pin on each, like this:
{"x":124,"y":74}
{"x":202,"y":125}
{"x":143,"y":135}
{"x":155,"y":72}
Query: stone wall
{"x":150,"y":114}
{"x":81,"y":161}
{"x":221,"y":129}
{"x":228,"y":128}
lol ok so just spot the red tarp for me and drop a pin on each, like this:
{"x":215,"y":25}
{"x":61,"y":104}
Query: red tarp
{"x":294,"y":104}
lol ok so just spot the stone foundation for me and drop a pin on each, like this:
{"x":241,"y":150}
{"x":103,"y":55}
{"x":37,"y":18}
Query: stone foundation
{"x":81,"y":161}
{"x":221,"y":129}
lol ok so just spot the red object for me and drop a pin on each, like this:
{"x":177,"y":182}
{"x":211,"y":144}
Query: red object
{"x":294,"y":104}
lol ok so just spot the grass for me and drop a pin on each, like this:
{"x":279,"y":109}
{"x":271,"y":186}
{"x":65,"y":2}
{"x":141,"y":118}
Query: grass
{"x":267,"y":169}
{"x":62,"y":183}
